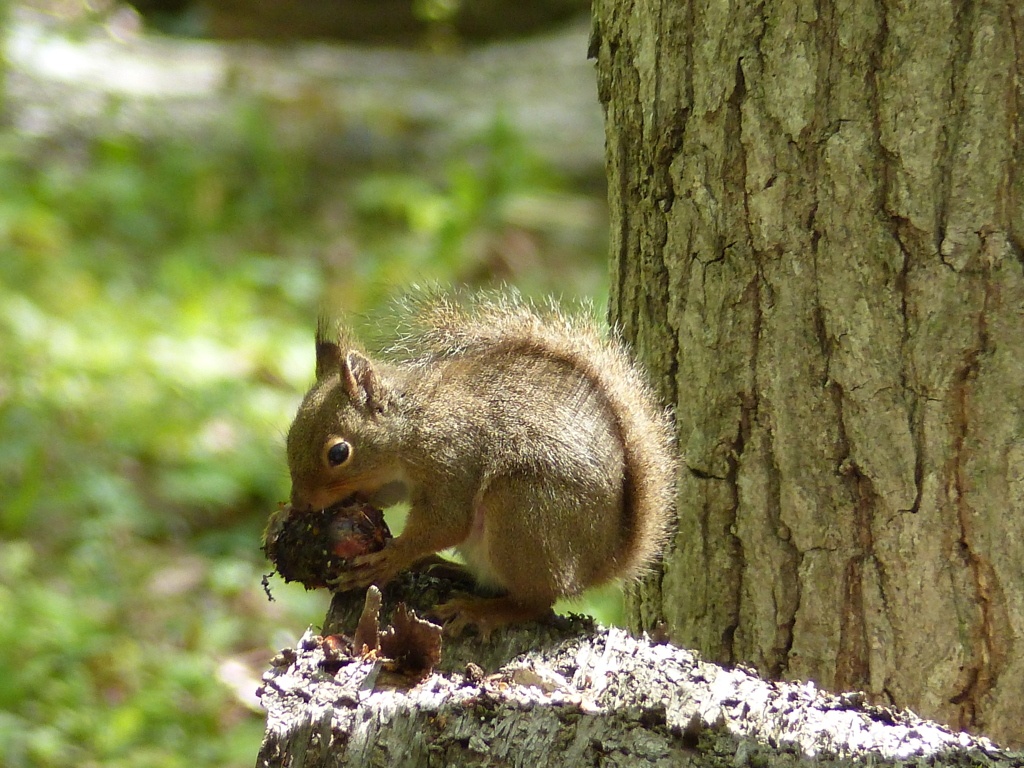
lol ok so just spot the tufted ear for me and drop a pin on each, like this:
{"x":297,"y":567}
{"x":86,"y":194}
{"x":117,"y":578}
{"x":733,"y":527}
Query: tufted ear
{"x":328,"y":352}
{"x":360,"y":380}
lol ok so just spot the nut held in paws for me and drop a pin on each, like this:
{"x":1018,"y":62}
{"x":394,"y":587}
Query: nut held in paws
{"x":314,"y":546}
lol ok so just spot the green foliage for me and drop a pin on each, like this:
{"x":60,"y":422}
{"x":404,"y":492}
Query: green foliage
{"x":495,"y":215}
{"x":99,"y":671}
{"x":156,"y":311}
{"x":134,"y":328}
{"x":155,"y":340}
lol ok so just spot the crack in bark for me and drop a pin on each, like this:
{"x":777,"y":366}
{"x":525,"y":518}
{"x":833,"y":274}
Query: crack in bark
{"x":896,"y":224}
{"x":773,"y":504}
{"x":853,"y":662}
{"x":949,"y":134}
{"x":734,"y":173}
{"x":907,"y":386}
{"x":825,"y":44}
{"x":981,"y":676}
{"x":617,"y":156}
{"x":1013,"y":200}
{"x":747,"y":410}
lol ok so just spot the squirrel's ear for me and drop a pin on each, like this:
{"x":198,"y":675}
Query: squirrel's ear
{"x":328,"y":353}
{"x":328,"y":358}
{"x":360,"y":380}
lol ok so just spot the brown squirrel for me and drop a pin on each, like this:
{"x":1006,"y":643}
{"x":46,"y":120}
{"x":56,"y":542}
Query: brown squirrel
{"x":522,"y":437}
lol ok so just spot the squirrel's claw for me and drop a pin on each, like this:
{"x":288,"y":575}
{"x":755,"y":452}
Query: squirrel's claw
{"x":347,"y":582}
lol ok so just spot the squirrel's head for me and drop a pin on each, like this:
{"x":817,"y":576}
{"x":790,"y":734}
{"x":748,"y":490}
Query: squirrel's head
{"x":339,"y":442}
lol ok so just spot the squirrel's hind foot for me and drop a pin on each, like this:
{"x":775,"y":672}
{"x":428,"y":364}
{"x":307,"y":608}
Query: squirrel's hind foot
{"x":487,"y":614}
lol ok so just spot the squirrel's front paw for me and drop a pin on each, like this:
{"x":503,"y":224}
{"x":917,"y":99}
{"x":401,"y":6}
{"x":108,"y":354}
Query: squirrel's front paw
{"x":375,"y":568}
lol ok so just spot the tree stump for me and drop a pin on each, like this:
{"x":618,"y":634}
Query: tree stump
{"x":571,"y":694}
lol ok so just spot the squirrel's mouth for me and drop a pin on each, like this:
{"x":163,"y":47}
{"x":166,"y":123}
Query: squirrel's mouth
{"x":390,"y":493}
{"x":315,"y":500}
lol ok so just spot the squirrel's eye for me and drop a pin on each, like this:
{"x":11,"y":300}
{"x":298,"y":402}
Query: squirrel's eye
{"x":339,"y":453}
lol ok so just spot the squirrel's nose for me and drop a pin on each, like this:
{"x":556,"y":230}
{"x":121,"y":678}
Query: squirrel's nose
{"x":300,"y":499}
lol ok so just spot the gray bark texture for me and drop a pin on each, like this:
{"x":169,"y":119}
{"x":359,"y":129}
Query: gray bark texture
{"x":817,"y":229}
{"x":579,"y":696}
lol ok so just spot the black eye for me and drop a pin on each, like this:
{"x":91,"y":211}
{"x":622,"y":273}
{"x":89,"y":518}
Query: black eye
{"x":338,"y":453}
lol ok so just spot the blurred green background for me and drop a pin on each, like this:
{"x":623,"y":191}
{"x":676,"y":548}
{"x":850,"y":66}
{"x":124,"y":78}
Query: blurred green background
{"x":157,"y":305}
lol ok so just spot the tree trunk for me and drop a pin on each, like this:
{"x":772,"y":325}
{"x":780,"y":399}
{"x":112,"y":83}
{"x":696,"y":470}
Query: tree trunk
{"x":817,"y":227}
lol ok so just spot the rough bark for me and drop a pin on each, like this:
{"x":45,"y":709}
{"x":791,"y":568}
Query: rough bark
{"x":577,"y":697}
{"x":817,"y":227}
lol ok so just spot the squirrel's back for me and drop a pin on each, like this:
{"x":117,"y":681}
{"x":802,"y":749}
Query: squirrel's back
{"x":439,"y":329}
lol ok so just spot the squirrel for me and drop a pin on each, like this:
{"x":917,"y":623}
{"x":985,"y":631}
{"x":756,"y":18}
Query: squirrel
{"x":523,"y":437}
